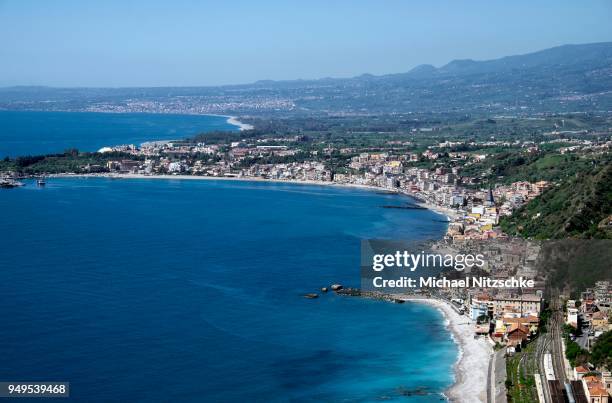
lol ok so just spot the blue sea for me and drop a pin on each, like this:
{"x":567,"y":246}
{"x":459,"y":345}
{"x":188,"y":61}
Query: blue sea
{"x":36,"y":133}
{"x":192,"y":290}
{"x":169,"y":290}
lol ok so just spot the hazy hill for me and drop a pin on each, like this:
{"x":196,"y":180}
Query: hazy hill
{"x":567,"y":56}
{"x":561,"y":79}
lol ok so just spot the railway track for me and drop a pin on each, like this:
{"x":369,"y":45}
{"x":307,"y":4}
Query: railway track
{"x":556,"y":343}
{"x":551,"y":342}
{"x":542,"y":348}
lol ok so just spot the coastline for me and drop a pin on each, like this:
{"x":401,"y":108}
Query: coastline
{"x":472,"y":365}
{"x":449,"y":214}
{"x":469,"y":370}
{"x":233,"y":120}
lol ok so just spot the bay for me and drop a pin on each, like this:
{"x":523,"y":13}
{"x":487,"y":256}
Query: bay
{"x":170,"y":290}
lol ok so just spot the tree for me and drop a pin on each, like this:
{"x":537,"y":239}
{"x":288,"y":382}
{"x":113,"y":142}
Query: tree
{"x":601,"y":355}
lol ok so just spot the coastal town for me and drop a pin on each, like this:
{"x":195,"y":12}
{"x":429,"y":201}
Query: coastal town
{"x":440,"y":176}
{"x":503,"y":325}
{"x":473,"y":210}
{"x":495,"y":326}
{"x":306,"y":201}
{"x":523,"y":333}
{"x":515,"y":323}
{"x":502,"y":331}
{"x":540,"y":332}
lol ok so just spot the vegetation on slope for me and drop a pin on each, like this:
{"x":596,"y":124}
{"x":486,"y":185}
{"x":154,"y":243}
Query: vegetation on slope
{"x":572,"y":265}
{"x":601,"y":355}
{"x":578,"y":207}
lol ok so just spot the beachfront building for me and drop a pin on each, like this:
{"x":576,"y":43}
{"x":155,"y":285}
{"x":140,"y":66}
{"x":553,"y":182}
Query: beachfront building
{"x":478,"y":309}
{"x":530,"y":322}
{"x":476,"y":213}
{"x":480,"y":305}
{"x":525,"y":305}
{"x":177,"y":167}
{"x":517,"y":335}
{"x":515,"y":331}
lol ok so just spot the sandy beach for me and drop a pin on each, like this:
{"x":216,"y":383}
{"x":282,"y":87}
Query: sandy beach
{"x":471,"y":368}
{"x":232,"y":120}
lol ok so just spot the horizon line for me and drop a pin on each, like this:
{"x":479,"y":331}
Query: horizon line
{"x":262,"y":81}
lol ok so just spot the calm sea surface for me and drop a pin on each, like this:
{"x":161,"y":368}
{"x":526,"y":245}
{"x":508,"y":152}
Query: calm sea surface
{"x":35,"y":133}
{"x":167,"y":290}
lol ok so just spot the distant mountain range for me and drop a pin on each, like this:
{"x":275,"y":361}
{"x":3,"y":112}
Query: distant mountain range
{"x":594,"y":55}
{"x":562,"y":79}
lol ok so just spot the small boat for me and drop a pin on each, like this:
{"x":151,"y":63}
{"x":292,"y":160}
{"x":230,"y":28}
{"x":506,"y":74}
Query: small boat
{"x":41,"y":181}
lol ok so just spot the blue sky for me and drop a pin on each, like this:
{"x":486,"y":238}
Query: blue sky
{"x":176,"y":43}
